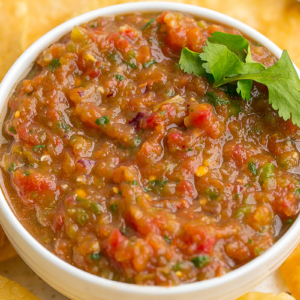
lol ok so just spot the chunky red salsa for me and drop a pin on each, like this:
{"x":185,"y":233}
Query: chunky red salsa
{"x":129,"y":168}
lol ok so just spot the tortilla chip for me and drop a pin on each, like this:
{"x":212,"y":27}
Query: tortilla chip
{"x":2,"y":237}
{"x":290,"y":271}
{"x":12,"y":21}
{"x":262,"y":296}
{"x":13,"y":291}
{"x":7,"y":251}
{"x":47,"y":14}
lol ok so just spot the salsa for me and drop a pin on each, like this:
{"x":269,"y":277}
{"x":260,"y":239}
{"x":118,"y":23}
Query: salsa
{"x":127,"y":167}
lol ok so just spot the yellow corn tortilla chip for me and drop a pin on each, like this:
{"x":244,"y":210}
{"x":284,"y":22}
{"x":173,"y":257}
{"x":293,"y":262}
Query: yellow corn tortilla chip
{"x":262,"y":296}
{"x":290,"y":271}
{"x":10,"y":290}
{"x":47,"y":14}
{"x":7,"y":251}
{"x":13,"y":16}
{"x":2,"y":237}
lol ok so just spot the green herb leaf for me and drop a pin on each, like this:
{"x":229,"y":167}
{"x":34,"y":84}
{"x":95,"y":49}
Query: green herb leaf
{"x":27,"y":173}
{"x":65,"y":127}
{"x":227,"y":59}
{"x":102,"y":121}
{"x":223,"y":64}
{"x":244,"y":88}
{"x":252,"y":168}
{"x":235,"y":43}
{"x":211,"y":194}
{"x":137,"y":141}
{"x":177,"y":267}
{"x":119,"y":77}
{"x":200,"y":261}
{"x":148,"y":24}
{"x":215,"y":100}
{"x":149,"y":63}
{"x":281,"y":79}
{"x":54,"y":64}
{"x":37,"y":147}
{"x":190,"y":62}
{"x":112,"y":56}
{"x":283,"y":84}
{"x":113,"y":207}
{"x":95,"y":207}
{"x":12,"y":129}
{"x":167,"y":239}
{"x":130,"y":64}
{"x":95,"y":256}
{"x":289,"y":221}
{"x":134,"y":182}
{"x":12,"y":167}
{"x":158,"y":183}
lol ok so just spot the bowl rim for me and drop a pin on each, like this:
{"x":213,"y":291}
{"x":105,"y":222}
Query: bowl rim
{"x":24,"y":63}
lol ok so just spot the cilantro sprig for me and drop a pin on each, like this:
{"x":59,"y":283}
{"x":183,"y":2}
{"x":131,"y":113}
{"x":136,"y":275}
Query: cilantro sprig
{"x":226,"y":58}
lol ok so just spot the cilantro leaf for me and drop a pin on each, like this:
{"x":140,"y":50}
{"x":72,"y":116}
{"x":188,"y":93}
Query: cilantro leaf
{"x":227,"y":59}
{"x":244,"y":88}
{"x":235,"y":43}
{"x":283,"y":84}
{"x":102,"y":121}
{"x":37,"y":147}
{"x":149,"y":63}
{"x":12,"y":129}
{"x":130,"y":64}
{"x":223,"y":64}
{"x":252,"y":168}
{"x":190,"y":62}
{"x":200,"y":261}
{"x":54,"y":64}
{"x":148,"y":24}
{"x":119,"y":77}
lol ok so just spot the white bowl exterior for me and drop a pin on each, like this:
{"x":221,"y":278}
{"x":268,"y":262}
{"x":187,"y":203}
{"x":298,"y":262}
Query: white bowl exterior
{"x":79,"y":285}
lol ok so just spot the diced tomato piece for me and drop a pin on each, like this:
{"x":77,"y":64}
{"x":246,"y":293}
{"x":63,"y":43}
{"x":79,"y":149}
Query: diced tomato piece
{"x":33,"y":182}
{"x":201,"y":239}
{"x":186,"y":189}
{"x":114,"y":240}
{"x":25,"y":135}
{"x":119,"y":42}
{"x":94,"y":72}
{"x":194,"y":39}
{"x":286,"y":206}
{"x":143,"y":54}
{"x":200,"y":118}
{"x":152,"y":121}
{"x":240,"y":154}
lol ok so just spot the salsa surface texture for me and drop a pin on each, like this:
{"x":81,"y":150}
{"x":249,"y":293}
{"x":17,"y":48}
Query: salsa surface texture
{"x":128,"y":168}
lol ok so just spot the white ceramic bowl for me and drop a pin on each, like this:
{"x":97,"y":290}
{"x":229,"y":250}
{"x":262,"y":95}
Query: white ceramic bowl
{"x":77,"y":284}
